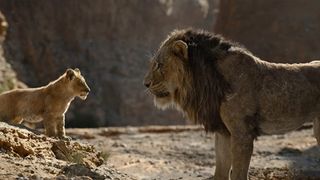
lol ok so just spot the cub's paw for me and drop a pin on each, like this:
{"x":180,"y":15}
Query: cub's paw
{"x":65,"y":138}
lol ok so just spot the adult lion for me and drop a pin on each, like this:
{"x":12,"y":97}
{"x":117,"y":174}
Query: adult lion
{"x":231,"y":92}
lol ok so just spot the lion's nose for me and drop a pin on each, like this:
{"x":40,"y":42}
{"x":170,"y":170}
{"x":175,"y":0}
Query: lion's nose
{"x":147,"y":83}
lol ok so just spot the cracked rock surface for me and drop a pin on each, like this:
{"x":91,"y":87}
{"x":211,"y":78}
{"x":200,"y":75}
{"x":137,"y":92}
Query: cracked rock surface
{"x":28,"y":155}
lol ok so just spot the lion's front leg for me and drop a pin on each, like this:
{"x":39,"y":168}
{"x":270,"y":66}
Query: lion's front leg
{"x":241,"y":149}
{"x":223,"y":156}
{"x":316,"y":129}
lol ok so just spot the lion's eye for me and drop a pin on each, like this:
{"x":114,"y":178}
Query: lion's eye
{"x":158,"y":65}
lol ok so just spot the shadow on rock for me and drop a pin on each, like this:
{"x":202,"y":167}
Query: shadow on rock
{"x":79,"y":170}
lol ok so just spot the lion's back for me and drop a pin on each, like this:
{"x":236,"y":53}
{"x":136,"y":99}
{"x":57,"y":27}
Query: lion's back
{"x":288,"y":96}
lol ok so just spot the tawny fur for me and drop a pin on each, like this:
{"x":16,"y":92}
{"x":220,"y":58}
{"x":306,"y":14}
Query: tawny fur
{"x":231,"y":92}
{"x":48,"y":103}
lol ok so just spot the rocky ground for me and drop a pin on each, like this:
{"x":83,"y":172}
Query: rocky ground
{"x":167,"y":152}
{"x":25,"y":155}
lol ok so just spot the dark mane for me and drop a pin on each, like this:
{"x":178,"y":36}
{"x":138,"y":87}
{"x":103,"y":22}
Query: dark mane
{"x":207,"y":87}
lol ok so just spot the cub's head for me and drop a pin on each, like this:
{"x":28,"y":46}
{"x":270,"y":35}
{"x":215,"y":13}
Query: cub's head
{"x":166,"y":76}
{"x":77,"y":83}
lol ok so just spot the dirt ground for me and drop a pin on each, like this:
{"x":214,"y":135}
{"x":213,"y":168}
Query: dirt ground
{"x":148,"y":153}
{"x":187,"y":152}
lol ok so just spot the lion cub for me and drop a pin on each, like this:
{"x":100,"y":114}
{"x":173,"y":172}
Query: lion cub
{"x":48,"y":103}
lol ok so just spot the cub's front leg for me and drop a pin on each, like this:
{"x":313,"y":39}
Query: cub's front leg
{"x":61,"y":132}
{"x":50,"y":125}
{"x":54,"y":126}
{"x":16,"y":120}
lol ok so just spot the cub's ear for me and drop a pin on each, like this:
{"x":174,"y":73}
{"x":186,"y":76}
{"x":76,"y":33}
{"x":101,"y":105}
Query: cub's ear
{"x":180,"y":48}
{"x":70,"y":74}
{"x":77,"y":70}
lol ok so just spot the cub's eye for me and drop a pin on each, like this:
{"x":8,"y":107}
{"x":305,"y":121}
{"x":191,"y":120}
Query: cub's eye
{"x":79,"y":82}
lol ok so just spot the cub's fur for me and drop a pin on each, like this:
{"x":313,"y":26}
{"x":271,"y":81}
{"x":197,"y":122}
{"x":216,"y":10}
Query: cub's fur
{"x":48,"y":103}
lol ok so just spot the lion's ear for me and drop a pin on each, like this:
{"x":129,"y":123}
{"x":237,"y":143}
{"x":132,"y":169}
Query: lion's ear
{"x":180,"y":48}
{"x":70,"y":74}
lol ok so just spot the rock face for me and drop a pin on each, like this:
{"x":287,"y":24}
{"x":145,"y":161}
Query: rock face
{"x":8,"y":79}
{"x":110,"y":41}
{"x":279,"y":31}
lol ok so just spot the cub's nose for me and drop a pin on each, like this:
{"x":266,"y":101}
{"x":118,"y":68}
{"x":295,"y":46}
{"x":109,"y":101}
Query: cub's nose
{"x":87,"y":89}
{"x":147,"y":83}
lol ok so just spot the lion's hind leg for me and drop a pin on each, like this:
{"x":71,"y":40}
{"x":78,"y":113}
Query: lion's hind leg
{"x":316,"y":129}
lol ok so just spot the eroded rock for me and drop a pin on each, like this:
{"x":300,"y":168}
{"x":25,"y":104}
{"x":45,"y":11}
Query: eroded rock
{"x":24,"y":143}
{"x":36,"y":156}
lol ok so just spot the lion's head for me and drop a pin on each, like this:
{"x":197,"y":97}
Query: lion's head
{"x":76,"y":83}
{"x":166,"y":73}
{"x":183,"y":73}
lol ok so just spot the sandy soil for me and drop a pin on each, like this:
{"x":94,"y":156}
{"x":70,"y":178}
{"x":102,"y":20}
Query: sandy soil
{"x":187,"y":152}
{"x":146,"y":153}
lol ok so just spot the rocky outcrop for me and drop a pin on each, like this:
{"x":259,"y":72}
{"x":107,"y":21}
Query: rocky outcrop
{"x":22,"y":143}
{"x":110,"y":41}
{"x":279,"y":31}
{"x":26,"y":155}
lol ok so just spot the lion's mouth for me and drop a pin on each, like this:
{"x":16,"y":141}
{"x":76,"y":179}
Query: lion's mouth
{"x":159,"y":91}
{"x":161,"y":94}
